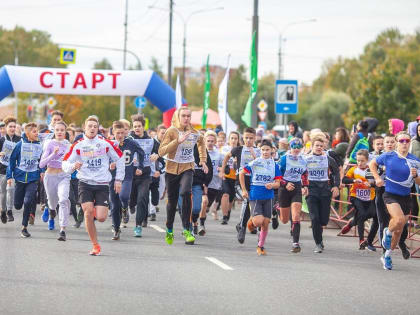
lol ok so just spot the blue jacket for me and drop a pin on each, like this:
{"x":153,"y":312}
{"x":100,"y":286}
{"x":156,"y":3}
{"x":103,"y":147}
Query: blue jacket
{"x":14,"y":172}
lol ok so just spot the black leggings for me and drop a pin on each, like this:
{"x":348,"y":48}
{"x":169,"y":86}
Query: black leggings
{"x":319,"y":211}
{"x":364,"y":211}
{"x":179,"y":185}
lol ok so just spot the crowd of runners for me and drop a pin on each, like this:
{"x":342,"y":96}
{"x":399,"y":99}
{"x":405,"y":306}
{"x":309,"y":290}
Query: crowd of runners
{"x":91,"y":173}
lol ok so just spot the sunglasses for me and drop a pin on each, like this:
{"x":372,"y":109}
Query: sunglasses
{"x":296,"y":146}
{"x":404,"y":141}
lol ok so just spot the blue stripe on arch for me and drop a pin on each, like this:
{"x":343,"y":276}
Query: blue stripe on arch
{"x":6,"y":87}
{"x":160,"y":94}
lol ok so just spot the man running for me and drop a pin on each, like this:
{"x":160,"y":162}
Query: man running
{"x":178,"y":144}
{"x":91,"y":156}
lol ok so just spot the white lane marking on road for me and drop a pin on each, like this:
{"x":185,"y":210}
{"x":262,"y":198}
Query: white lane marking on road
{"x":157,"y":228}
{"x":219,"y":263}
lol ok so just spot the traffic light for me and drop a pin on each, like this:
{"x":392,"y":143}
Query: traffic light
{"x":29,"y":111}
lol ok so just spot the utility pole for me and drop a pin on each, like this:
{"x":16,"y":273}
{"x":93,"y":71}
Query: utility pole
{"x":122,"y":97}
{"x":171,"y":3}
{"x":255,"y":29}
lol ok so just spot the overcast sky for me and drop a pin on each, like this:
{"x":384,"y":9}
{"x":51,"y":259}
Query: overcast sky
{"x":342,"y":28}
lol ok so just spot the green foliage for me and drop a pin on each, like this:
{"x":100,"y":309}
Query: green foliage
{"x":104,"y":64}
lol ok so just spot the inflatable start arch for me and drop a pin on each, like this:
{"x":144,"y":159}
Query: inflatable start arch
{"x":89,"y":82}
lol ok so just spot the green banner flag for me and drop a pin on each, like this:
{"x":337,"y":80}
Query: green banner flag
{"x":206,"y":103}
{"x":253,"y":73}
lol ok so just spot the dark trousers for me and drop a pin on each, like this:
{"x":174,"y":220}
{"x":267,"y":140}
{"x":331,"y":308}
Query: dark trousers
{"x":140,"y":195}
{"x":119,"y":201}
{"x":179,"y":185}
{"x":74,"y":197}
{"x":319,"y":211}
{"x":154,"y":191}
{"x":365,"y":210}
{"x":25,"y":195}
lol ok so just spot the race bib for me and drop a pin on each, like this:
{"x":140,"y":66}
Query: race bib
{"x":93,"y":158}
{"x":263,"y":171}
{"x":147,"y":146}
{"x":30,"y":154}
{"x":317,"y":167}
{"x":185,"y":150}
{"x":8,"y":147}
{"x":363,"y":194}
{"x":295,"y":167}
{"x":246,"y":156}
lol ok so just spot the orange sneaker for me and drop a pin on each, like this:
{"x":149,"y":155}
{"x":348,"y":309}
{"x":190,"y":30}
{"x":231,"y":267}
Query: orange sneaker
{"x":261,"y":251}
{"x":96,"y":250}
{"x":250,"y":225}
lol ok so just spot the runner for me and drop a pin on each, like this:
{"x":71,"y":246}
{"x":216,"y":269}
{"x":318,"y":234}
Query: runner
{"x":244,"y":154}
{"x":178,"y":144}
{"x":265,"y":176}
{"x":324,"y":180}
{"x":7,"y":144}
{"x":56,"y":181}
{"x":293,"y":174}
{"x":24,"y":169}
{"x":91,"y":156}
{"x":229,"y":177}
{"x":212,"y":192}
{"x":142,"y":179}
{"x":119,"y":201}
{"x":401,"y":170}
{"x":362,"y":197}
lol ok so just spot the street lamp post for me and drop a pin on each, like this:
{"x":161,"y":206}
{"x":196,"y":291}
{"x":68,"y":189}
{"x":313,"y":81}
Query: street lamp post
{"x":184,"y":41}
{"x":281,"y":119}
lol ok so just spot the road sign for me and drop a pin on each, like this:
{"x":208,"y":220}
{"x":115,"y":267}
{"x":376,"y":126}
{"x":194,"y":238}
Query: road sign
{"x":140,"y":102}
{"x":286,"y":97}
{"x":67,"y":56}
{"x":51,"y":102}
{"x":262,"y":106}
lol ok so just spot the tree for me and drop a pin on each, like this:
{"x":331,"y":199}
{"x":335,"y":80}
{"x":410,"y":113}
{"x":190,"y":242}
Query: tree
{"x":104,"y":64}
{"x":156,"y":67}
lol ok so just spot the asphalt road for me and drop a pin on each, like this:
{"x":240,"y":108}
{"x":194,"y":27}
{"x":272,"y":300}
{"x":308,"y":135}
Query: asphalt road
{"x":41,"y":275}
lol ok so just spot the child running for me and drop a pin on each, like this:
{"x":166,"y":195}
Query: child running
{"x":265,"y":176}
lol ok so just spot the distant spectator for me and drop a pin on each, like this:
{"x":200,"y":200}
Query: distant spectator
{"x":395,"y":126}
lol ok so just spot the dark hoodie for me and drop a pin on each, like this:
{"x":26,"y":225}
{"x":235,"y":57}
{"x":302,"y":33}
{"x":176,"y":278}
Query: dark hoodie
{"x":20,"y":172}
{"x":14,"y":139}
{"x":147,"y":169}
{"x":200,"y":178}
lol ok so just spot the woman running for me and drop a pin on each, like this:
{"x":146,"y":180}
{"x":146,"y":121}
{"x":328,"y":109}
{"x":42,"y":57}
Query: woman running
{"x":401,"y":170}
{"x":56,"y":181}
{"x":293,"y":172}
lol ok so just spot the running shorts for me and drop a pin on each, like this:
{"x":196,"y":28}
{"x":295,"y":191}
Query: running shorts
{"x":261,"y":207}
{"x":403,"y":201}
{"x":228,"y":187}
{"x":213,"y":195}
{"x":286,"y":198}
{"x":98,"y":194}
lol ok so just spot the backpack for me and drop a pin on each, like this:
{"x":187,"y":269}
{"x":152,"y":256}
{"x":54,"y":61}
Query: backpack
{"x":362,"y":143}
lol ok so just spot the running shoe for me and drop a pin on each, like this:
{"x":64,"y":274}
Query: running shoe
{"x":116,"y":235}
{"x":45,"y":215}
{"x":274,"y":222}
{"x":322,"y":245}
{"x":132,"y":210}
{"x":3,"y":217}
{"x":169,"y":237}
{"x":153,"y":217}
{"x":224,"y":220}
{"x":250,"y":225}
{"x":254,"y":231}
{"x":318,"y":249}
{"x":195,"y":230}
{"x":295,"y":248}
{"x":261,"y":251}
{"x":62,"y":236}
{"x":371,"y":247}
{"x":386,"y":262}
{"x":362,"y":245}
{"x":10,"y":217}
{"x":51,"y":224}
{"x":386,"y":239}
{"x":125,"y":215}
{"x":157,"y":209}
{"x":96,"y":250}
{"x":189,"y":238}
{"x":405,"y":253}
{"x":77,"y":224}
{"x":202,"y":230}
{"x":80,"y":215}
{"x":31,"y":219}
{"x":137,"y":231}
{"x":346,"y":228}
{"x":24,"y":233}
{"x":241,"y":234}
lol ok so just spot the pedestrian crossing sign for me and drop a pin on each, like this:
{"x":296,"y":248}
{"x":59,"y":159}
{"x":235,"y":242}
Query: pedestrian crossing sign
{"x":67,"y":56}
